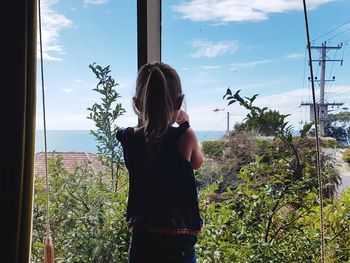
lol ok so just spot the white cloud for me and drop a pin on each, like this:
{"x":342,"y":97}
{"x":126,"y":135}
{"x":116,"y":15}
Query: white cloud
{"x":214,"y":121}
{"x":210,"y":49}
{"x":287,"y":102}
{"x":281,"y":101}
{"x":208,"y":67}
{"x":224,"y":11}
{"x":67,"y":90}
{"x":70,"y":120}
{"x":295,"y":55}
{"x":221,"y":90}
{"x":340,"y":90}
{"x":259,"y":85}
{"x":126,"y":84}
{"x":52,"y":23}
{"x":64,"y":121}
{"x":214,"y":90}
{"x":95,"y":2}
{"x":197,"y":80}
{"x":249,"y":64}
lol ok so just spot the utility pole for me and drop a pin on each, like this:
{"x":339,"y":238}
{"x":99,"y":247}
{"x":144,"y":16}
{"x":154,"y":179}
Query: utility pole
{"x":322,"y":105}
{"x":228,"y":124}
{"x":227,"y":120}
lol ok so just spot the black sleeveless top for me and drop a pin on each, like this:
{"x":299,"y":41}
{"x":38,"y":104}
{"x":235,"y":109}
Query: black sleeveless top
{"x":162,"y":190}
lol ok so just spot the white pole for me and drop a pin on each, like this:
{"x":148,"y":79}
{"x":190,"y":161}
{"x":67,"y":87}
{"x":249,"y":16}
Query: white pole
{"x":228,"y":124}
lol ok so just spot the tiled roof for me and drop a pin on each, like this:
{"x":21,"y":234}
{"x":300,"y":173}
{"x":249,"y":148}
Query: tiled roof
{"x":69,"y":161}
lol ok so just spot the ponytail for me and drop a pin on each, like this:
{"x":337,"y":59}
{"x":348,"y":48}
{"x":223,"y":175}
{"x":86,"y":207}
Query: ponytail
{"x":158,"y":85}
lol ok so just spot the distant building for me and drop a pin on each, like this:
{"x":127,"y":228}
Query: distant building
{"x":69,"y":161}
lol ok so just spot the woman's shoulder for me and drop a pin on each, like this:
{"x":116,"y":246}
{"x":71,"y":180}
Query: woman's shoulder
{"x":188,"y":136}
{"x":125,"y":133}
{"x":180,"y":131}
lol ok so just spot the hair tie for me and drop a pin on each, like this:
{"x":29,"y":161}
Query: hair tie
{"x":150,"y":67}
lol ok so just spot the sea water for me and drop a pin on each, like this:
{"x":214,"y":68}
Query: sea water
{"x":83,"y":141}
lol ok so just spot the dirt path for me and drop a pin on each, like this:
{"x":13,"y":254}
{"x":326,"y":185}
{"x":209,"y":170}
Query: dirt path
{"x":342,"y":167}
{"x":344,"y":170}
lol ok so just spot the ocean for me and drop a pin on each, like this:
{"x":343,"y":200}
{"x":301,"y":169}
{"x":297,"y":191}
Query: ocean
{"x":83,"y":141}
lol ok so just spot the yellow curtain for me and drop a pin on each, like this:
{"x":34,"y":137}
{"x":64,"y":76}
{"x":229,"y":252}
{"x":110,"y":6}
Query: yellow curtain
{"x":17,"y":132}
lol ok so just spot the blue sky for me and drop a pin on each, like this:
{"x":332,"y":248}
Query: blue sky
{"x":256,"y":46}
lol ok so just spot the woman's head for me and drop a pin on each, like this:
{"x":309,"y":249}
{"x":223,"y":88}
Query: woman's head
{"x":158,"y":98}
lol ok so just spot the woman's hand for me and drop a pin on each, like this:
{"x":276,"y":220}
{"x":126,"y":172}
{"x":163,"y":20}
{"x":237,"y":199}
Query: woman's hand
{"x":182,"y":117}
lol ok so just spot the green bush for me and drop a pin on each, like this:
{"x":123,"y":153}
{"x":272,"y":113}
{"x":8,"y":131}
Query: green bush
{"x":87,"y":216}
{"x":346,"y":155}
{"x":227,"y":158}
{"x":268,"y":219}
{"x":213,"y":149}
{"x":330,"y":143}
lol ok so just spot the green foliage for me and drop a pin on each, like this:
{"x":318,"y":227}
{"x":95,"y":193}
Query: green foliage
{"x":258,"y":199}
{"x":340,"y":133}
{"x":330,"y":143}
{"x":346,"y":155}
{"x":260,"y":120}
{"x":271,"y":216}
{"x":213,"y":149}
{"x":337,"y":222}
{"x":341,"y":117}
{"x":272,"y":213}
{"x":338,"y":127}
{"x":238,"y":150}
{"x":87,"y":216}
{"x":104,"y":115}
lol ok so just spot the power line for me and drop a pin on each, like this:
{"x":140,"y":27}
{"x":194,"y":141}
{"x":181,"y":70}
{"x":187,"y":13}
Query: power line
{"x":211,"y":130}
{"x":342,"y":32}
{"x":334,"y":29}
{"x":335,"y":56}
{"x":328,"y":85}
{"x":304,"y":74}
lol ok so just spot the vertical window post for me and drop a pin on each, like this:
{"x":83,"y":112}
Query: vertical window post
{"x":149,"y":17}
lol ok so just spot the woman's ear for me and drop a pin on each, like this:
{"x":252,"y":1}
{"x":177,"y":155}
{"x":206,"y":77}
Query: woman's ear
{"x":178,"y":102}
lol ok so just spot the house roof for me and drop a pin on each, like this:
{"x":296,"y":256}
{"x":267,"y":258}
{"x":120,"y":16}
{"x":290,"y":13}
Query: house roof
{"x":69,"y":161}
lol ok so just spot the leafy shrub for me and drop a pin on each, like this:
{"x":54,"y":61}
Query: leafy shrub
{"x":241,"y":150}
{"x":104,"y":115}
{"x":330,"y":143}
{"x":269,"y":219}
{"x":237,"y":150}
{"x":87,"y":216}
{"x":346,"y":155}
{"x":213,"y":149}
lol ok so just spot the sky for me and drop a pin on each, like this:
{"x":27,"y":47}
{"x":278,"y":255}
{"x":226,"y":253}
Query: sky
{"x":256,"y":46}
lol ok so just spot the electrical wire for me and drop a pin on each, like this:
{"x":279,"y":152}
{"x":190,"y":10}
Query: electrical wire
{"x":338,"y":34}
{"x":334,"y":29}
{"x":318,"y":166}
{"x":214,"y":127}
{"x":304,"y":74}
{"x":44,"y":119}
{"x":49,"y":249}
{"x":328,"y":84}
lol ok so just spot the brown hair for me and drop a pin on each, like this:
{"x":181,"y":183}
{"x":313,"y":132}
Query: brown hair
{"x":157,"y":87}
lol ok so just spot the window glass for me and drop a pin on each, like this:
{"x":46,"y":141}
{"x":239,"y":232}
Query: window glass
{"x":258,"y":48}
{"x":75,"y":35}
{"x":258,"y":187}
